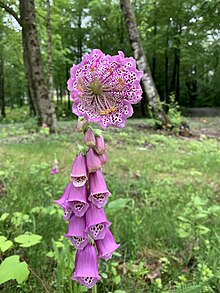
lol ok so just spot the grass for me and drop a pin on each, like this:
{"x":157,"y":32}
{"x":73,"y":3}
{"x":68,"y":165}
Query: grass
{"x":168,"y":222}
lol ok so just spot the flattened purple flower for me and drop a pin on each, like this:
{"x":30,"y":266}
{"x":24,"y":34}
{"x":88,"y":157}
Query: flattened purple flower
{"x":100,"y":145}
{"x":89,"y":138}
{"x":93,"y":161}
{"x":76,"y":232}
{"x":96,"y":222}
{"x":106,"y":246}
{"x":77,"y":200}
{"x":103,"y":88}
{"x":63,"y":203}
{"x":78,"y":173}
{"x":103,"y":158}
{"x":86,"y":267}
{"x":98,"y":190}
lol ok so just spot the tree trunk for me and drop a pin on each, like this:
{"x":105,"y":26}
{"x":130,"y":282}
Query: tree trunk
{"x":49,"y":54}
{"x":167,"y":71}
{"x":2,"y":92}
{"x":147,"y":82}
{"x":33,"y":63}
{"x":30,"y":38}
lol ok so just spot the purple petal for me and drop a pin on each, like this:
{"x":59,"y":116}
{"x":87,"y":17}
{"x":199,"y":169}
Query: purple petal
{"x":93,"y":161}
{"x":78,"y":173}
{"x":63,"y":203}
{"x":98,"y":190}
{"x":86,"y":267}
{"x":77,"y":200}
{"x":103,"y":158}
{"x":89,"y":138}
{"x":100,"y":145}
{"x":76,"y":232}
{"x":106,"y":246}
{"x":96,"y":222}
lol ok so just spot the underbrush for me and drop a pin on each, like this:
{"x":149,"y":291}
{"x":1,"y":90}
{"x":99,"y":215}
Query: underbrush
{"x":164,"y":208}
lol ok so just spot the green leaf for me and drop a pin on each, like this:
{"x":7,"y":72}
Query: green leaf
{"x":4,"y":217}
{"x":5,"y":244}
{"x":12,"y":269}
{"x":202,"y":229}
{"x":50,"y":254}
{"x":120,"y":291}
{"x":117,"y":280}
{"x":27,"y":240}
{"x":119,"y":204}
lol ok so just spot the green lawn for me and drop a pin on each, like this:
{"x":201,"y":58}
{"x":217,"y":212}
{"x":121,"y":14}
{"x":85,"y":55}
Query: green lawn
{"x":164,"y":209}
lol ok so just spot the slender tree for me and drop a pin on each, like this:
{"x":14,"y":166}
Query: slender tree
{"x":2,"y":93}
{"x":149,"y":88}
{"x":33,"y":62}
{"x":49,"y":53}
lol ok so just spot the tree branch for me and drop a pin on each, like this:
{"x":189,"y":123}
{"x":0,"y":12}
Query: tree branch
{"x":11,"y":11}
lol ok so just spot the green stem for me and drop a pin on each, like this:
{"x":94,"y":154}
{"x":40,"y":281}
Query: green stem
{"x":94,"y":289}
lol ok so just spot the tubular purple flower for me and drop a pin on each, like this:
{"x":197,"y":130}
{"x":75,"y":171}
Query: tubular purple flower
{"x":89,"y":138}
{"x":86,"y":267}
{"x":100,"y":145}
{"x":98,"y":190}
{"x":77,"y":200}
{"x":93,"y":161}
{"x":103,"y":158}
{"x":76,"y":232}
{"x":96,"y":222}
{"x":78,"y":173}
{"x":106,"y":246}
{"x":63,"y":203}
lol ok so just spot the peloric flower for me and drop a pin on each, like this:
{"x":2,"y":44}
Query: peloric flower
{"x":98,"y":190}
{"x":86,"y":267}
{"x":96,"y":222}
{"x":76,"y":232}
{"x":78,"y":173}
{"x":106,"y":246}
{"x":103,"y":88}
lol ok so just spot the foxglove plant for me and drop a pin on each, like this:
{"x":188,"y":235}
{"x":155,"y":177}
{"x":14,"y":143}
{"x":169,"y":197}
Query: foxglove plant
{"x":103,"y":87}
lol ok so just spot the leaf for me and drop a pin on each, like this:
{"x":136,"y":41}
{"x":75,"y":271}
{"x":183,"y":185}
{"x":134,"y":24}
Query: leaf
{"x":50,"y":254}
{"x":4,"y":217}
{"x":120,"y":291}
{"x":118,"y":204}
{"x":202,"y":229}
{"x":12,"y":269}
{"x":117,"y":280}
{"x":5,"y":244}
{"x":27,"y":240}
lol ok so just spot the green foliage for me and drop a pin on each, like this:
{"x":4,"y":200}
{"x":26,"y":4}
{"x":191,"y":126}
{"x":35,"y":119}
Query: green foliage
{"x":163,"y":205}
{"x":28,"y":239}
{"x":5,"y":244}
{"x":12,"y":269}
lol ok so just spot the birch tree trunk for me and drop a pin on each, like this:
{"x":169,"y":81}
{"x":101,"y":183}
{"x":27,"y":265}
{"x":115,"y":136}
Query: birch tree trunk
{"x":35,"y":68}
{"x":2,"y":95}
{"x":49,"y":54}
{"x":148,"y":86}
{"x":33,"y":62}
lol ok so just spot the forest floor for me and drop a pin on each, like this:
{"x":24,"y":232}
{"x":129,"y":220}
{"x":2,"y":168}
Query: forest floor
{"x":164,"y":207}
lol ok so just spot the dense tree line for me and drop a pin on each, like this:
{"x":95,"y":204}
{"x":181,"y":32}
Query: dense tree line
{"x":179,"y":38}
